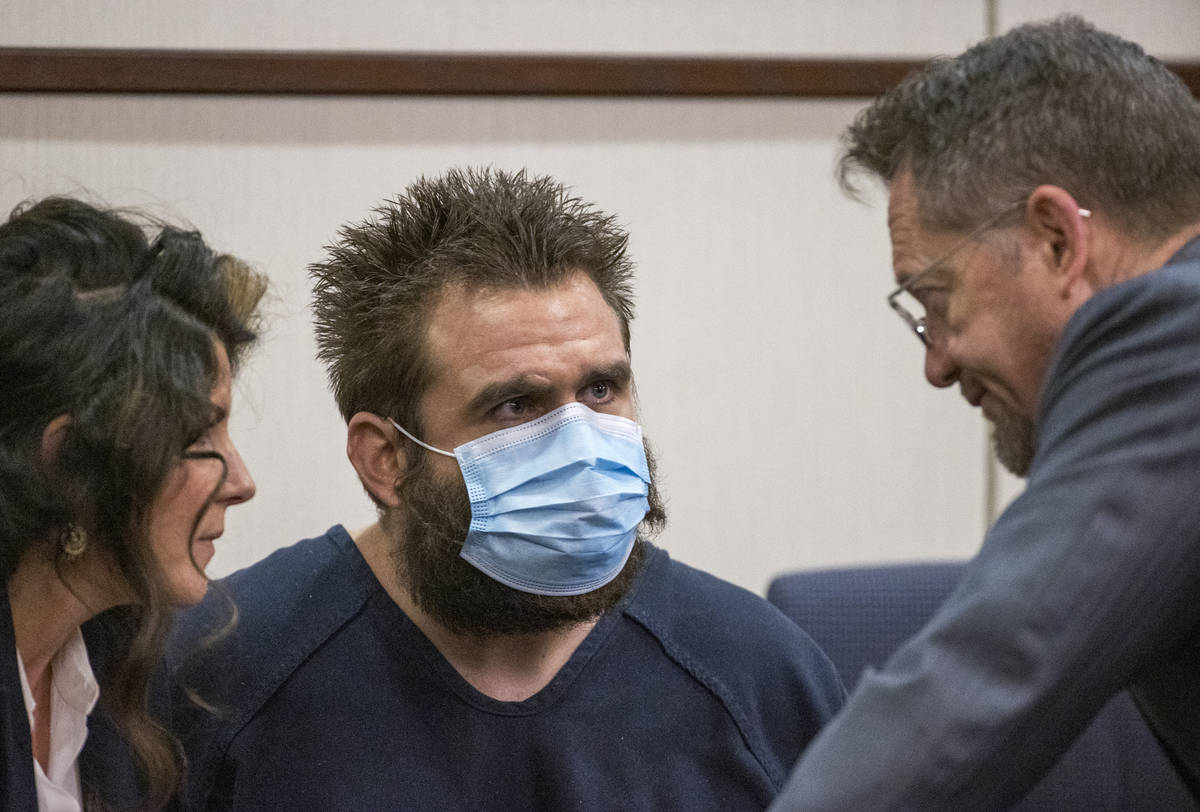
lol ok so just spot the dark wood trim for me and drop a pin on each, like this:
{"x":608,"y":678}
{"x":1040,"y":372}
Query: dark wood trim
{"x":53,"y":70}
{"x":102,"y":70}
{"x":1189,"y":72}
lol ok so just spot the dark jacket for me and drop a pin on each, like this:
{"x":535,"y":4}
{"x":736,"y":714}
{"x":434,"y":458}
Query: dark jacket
{"x":105,"y":763}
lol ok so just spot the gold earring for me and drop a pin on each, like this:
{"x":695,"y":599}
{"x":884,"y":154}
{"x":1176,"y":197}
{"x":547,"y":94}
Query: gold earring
{"x":73,"y":542}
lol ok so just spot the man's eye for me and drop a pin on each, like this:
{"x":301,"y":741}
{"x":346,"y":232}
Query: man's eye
{"x":517,"y":407}
{"x":601,"y":390}
{"x":935,"y":303}
{"x":930,"y":298}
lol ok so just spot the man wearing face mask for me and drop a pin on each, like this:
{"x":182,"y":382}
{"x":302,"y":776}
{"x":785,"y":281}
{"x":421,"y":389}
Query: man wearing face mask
{"x":504,"y":637}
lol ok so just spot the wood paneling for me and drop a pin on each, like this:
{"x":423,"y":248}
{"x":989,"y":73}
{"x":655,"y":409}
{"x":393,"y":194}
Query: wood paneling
{"x":55,"y":70}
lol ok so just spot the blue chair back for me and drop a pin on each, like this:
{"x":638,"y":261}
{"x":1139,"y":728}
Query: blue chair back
{"x":860,"y":615}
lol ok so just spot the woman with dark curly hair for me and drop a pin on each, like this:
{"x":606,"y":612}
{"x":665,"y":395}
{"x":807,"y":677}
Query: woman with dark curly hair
{"x":118,"y":341}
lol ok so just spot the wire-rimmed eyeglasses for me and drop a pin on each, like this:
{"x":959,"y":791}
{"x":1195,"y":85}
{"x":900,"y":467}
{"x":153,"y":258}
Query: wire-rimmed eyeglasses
{"x":907,"y":312}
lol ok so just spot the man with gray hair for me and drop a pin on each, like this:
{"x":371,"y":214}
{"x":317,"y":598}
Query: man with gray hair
{"x":1044,"y":207}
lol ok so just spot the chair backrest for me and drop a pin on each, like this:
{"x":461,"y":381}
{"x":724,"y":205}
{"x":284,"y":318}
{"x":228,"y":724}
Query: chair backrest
{"x":860,"y":615}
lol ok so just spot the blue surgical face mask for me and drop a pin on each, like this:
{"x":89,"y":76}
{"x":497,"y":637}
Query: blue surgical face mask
{"x":555,"y":502}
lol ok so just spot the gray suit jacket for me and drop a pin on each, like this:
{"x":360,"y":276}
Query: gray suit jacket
{"x":1088,"y":583}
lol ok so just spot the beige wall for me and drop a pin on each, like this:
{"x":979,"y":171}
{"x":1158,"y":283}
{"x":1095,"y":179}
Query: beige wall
{"x":785,"y":400}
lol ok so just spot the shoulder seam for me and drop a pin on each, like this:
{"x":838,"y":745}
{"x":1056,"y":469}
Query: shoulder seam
{"x":715,"y":686}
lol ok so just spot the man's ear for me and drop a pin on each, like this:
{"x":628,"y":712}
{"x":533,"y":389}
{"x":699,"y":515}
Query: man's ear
{"x":1060,"y":231}
{"x":374,"y":456}
{"x":53,"y":436}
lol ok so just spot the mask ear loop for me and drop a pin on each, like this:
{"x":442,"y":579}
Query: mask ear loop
{"x":426,"y":446}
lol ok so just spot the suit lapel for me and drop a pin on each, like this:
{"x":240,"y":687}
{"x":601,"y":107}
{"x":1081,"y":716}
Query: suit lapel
{"x":17,"y":788}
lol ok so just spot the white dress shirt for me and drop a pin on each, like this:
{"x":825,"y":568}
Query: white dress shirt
{"x":73,"y":694}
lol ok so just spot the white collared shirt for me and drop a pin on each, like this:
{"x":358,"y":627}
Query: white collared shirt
{"x":73,"y":694}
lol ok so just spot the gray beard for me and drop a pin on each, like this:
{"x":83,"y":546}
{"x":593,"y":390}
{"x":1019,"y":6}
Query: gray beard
{"x":1014,"y":441}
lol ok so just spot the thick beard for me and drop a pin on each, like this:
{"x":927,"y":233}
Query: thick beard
{"x":1014,"y":441}
{"x":428,"y":532}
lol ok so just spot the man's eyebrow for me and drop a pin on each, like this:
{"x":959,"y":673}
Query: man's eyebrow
{"x":500,"y":391}
{"x":619,"y":372}
{"x":935,"y":271}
